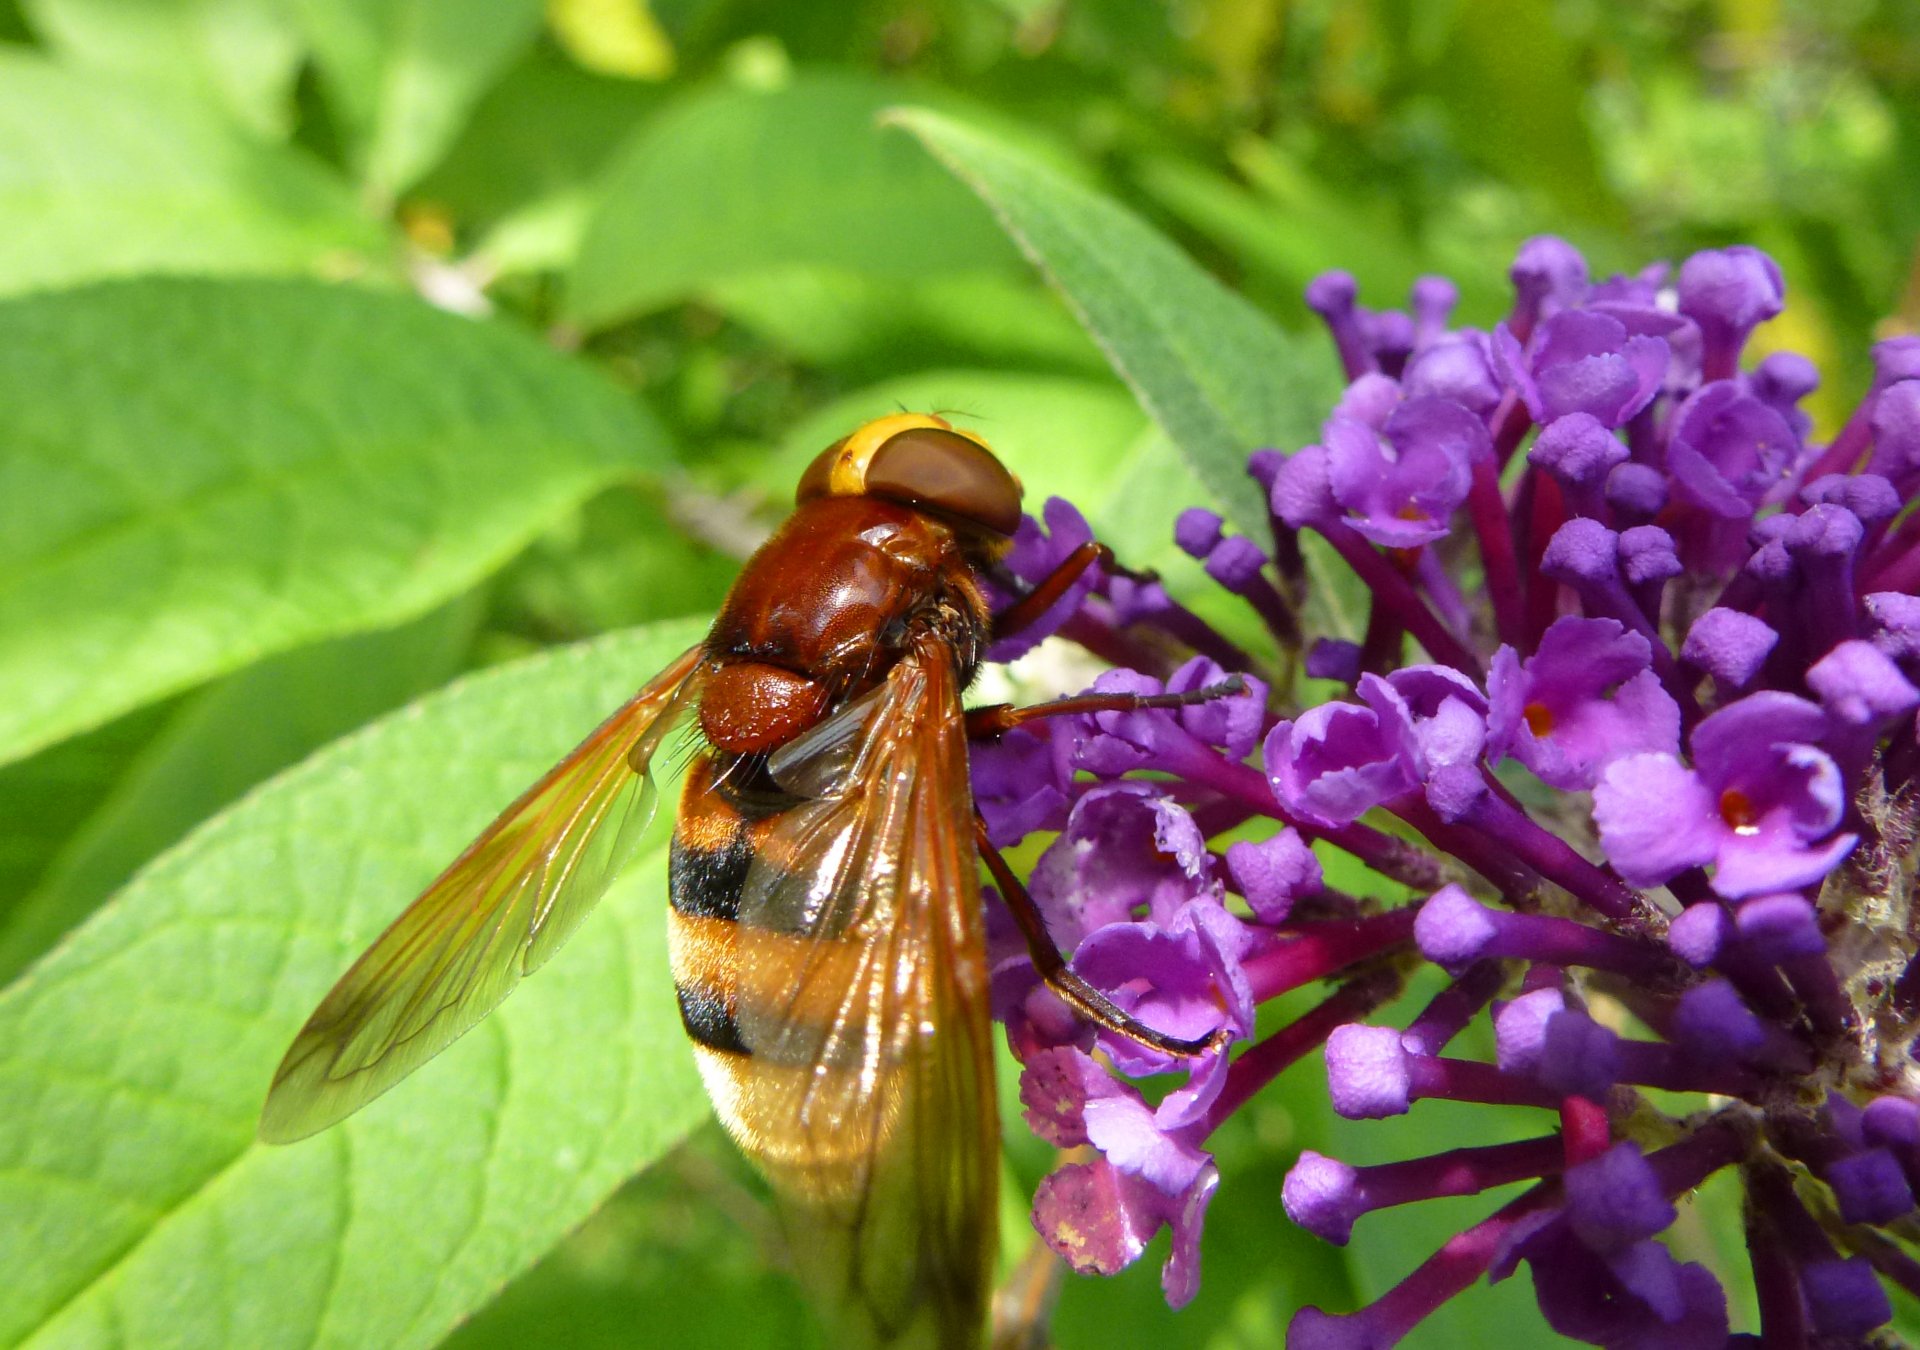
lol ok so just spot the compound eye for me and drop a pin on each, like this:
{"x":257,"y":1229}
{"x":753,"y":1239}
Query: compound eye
{"x":948,"y":472}
{"x":817,"y":481}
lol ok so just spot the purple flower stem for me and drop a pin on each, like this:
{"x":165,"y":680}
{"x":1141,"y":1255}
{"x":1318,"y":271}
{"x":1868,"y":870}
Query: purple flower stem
{"x":1843,"y":451}
{"x":1448,"y":1014}
{"x":1485,"y":854}
{"x":1460,"y":1171}
{"x":1494,"y":533}
{"x":1776,"y":1284}
{"x":1287,"y":559}
{"x":1553,"y":857}
{"x":1537,"y":524}
{"x":1310,"y":952}
{"x":1610,"y":599}
{"x":1396,"y":859}
{"x":1099,"y":635}
{"x":1542,"y":975}
{"x":1323,"y":905}
{"x":1434,"y":578}
{"x":1648,"y":596}
{"x":1770,"y":1190}
{"x":1274,"y":611}
{"x":1461,"y":1260}
{"x":1585,"y":1131}
{"x":1212,"y":813}
{"x":1759,"y":984}
{"x":1643,"y":441}
{"x":1813,"y":979}
{"x":1684,"y":1165}
{"x":1391,"y":588}
{"x":1900,"y":573}
{"x":1393,"y":858}
{"x":1886,"y":1258}
{"x":1839,"y":1308}
{"x":1827,"y":604}
{"x":1566,"y":942}
{"x":1510,"y":424}
{"x":1653,"y":1004}
{"x":1266,"y":1059}
{"x":1691,"y":887}
{"x":1886,"y":547}
{"x":1380,"y":649}
{"x":1468,"y":1080}
{"x":1650,"y":1064}
{"x":1742,"y":592}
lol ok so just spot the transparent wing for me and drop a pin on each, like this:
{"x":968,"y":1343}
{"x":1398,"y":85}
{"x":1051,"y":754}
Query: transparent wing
{"x":863,"y":999}
{"x":497,"y":913}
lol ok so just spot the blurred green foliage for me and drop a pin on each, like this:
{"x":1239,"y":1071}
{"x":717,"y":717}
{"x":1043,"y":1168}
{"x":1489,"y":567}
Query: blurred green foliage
{"x":256,"y":492}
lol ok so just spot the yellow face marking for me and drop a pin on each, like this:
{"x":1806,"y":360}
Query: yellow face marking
{"x":848,"y":476}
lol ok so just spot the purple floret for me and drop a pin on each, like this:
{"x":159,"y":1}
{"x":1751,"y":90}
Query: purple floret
{"x":1627,"y":777}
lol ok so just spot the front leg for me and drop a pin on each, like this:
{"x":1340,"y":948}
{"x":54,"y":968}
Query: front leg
{"x":1073,"y":990}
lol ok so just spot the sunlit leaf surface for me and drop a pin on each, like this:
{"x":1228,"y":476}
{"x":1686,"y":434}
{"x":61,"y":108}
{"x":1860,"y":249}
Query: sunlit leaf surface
{"x":197,"y":474}
{"x":141,"y":1209}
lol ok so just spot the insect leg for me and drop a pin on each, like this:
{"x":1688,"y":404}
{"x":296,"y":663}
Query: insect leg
{"x":1055,"y":584}
{"x":1082,"y":997}
{"x":996,"y":719}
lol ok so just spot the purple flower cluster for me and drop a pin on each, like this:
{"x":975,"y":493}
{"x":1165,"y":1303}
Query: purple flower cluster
{"x":1654,"y":780}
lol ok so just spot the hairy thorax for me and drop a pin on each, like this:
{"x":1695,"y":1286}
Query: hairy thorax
{"x":824,"y":609}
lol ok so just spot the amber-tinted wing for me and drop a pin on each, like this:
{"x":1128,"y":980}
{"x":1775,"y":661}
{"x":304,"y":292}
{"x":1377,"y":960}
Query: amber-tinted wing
{"x":863,"y":1001}
{"x":497,"y":913}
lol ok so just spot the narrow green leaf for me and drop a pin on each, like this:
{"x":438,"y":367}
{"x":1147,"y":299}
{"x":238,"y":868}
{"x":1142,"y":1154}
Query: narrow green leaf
{"x":141,"y":1210}
{"x":1213,"y":371}
{"x":734,"y":181}
{"x":220,"y":743}
{"x":241,"y":55}
{"x":100,"y":179}
{"x":195,"y":474}
{"x":404,"y":74}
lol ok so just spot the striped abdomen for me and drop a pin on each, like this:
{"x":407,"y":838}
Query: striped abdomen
{"x":759,"y":1052}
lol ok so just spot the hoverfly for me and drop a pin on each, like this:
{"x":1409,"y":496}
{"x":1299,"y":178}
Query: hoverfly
{"x":825,"y":920}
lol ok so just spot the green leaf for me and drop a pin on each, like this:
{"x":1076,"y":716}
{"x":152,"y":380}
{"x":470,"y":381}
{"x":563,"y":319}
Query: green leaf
{"x":686,"y":1250}
{"x":196,"y":474}
{"x":44,"y":799}
{"x":733,"y":181}
{"x":850,"y":321}
{"x":1512,"y":84}
{"x":1215,"y":373}
{"x":1292,"y":230}
{"x":222,"y":742}
{"x":622,"y":560}
{"x":546,"y":128}
{"x":141,"y":1209}
{"x":102,"y":180}
{"x":242,"y":55}
{"x":404,"y":74}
